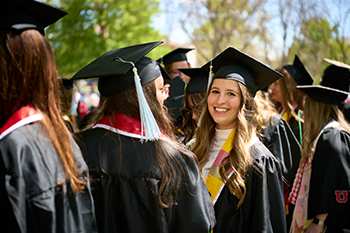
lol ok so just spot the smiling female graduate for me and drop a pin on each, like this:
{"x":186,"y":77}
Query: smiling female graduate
{"x":322,"y":185}
{"x":44,"y":181}
{"x":144,"y":180}
{"x":243,"y":177}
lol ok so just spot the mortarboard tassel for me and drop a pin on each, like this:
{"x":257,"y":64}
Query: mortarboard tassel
{"x":210,"y":78}
{"x":210,"y":73}
{"x":152,"y":131}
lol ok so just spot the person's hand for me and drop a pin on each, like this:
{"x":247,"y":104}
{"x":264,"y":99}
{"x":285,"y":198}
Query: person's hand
{"x":313,"y":228}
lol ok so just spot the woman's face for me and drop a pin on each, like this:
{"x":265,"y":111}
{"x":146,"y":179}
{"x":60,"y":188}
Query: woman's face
{"x":161,"y":90}
{"x":224,"y":101}
{"x":175,"y":66}
{"x":275,"y":91}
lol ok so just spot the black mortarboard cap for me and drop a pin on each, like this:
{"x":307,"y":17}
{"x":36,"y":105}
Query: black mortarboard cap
{"x":336,"y":75}
{"x":28,"y":14}
{"x":324,"y":94}
{"x":176,"y":94}
{"x":178,"y":54}
{"x":337,"y":63}
{"x":299,"y":72}
{"x":236,"y":65}
{"x":67,"y":83}
{"x":198,"y":82}
{"x":116,"y":76}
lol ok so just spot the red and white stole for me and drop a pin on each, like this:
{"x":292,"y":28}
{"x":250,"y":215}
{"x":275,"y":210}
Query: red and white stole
{"x":23,"y":116}
{"x":122,"y":124}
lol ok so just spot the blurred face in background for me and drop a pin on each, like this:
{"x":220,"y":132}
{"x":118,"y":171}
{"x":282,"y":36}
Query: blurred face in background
{"x":276,"y":92}
{"x":175,"y":66}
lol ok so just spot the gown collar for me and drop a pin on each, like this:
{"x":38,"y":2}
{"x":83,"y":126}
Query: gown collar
{"x":122,"y":124}
{"x":23,"y":116}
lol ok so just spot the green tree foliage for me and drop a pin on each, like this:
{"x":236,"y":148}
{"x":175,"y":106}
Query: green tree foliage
{"x":215,"y":25}
{"x":317,"y":40}
{"x":94,"y":27}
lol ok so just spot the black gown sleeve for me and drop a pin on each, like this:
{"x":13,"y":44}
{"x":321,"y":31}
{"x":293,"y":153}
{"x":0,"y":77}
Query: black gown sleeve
{"x":281,"y":141}
{"x":331,"y":175}
{"x":126,"y":184}
{"x":346,"y":111}
{"x":194,"y":196}
{"x":35,"y":196}
{"x":263,"y":207}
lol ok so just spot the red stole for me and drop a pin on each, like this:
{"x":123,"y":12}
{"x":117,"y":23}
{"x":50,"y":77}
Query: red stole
{"x":122,"y":124}
{"x":23,"y":116}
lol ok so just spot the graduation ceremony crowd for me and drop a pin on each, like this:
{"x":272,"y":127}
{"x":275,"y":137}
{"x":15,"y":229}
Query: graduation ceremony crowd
{"x":231,"y":146}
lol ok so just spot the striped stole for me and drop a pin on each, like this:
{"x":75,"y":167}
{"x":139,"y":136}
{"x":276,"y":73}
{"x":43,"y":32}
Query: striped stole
{"x":213,"y":181}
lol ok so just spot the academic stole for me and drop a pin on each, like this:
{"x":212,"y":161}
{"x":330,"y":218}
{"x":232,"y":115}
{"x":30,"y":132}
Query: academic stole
{"x":23,"y":116}
{"x":300,"y":221}
{"x":213,"y":180}
{"x":66,"y":118}
{"x":286,"y":116}
{"x":124,"y":125}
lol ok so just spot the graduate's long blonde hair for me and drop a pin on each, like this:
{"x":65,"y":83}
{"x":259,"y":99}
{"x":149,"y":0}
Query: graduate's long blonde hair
{"x":239,"y":157}
{"x":265,"y":112}
{"x":316,"y":116}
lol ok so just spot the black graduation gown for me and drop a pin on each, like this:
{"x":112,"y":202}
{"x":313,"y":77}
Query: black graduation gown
{"x":331,"y":173}
{"x":69,"y":126}
{"x":263,"y":206}
{"x":295,"y":126}
{"x":346,"y":110}
{"x":174,"y":103}
{"x":30,"y":198}
{"x":280,"y":140}
{"x":125,"y":188}
{"x":175,"y":100}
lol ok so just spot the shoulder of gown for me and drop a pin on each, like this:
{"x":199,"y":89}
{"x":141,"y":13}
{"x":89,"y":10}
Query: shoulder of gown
{"x":128,"y":171}
{"x":330,"y":173}
{"x":32,"y":187}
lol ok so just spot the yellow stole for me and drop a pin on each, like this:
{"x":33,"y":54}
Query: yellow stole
{"x":213,"y":181}
{"x":286,"y":117}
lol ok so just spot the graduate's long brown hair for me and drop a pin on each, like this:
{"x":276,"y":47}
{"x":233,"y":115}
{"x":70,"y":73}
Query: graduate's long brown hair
{"x":28,"y":75}
{"x":172,"y":171}
{"x":239,"y":157}
{"x":316,"y":116}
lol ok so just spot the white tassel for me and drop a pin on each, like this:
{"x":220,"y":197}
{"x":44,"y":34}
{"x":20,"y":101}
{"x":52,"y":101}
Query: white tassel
{"x":210,"y":78}
{"x":148,"y":122}
{"x":152,"y":131}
